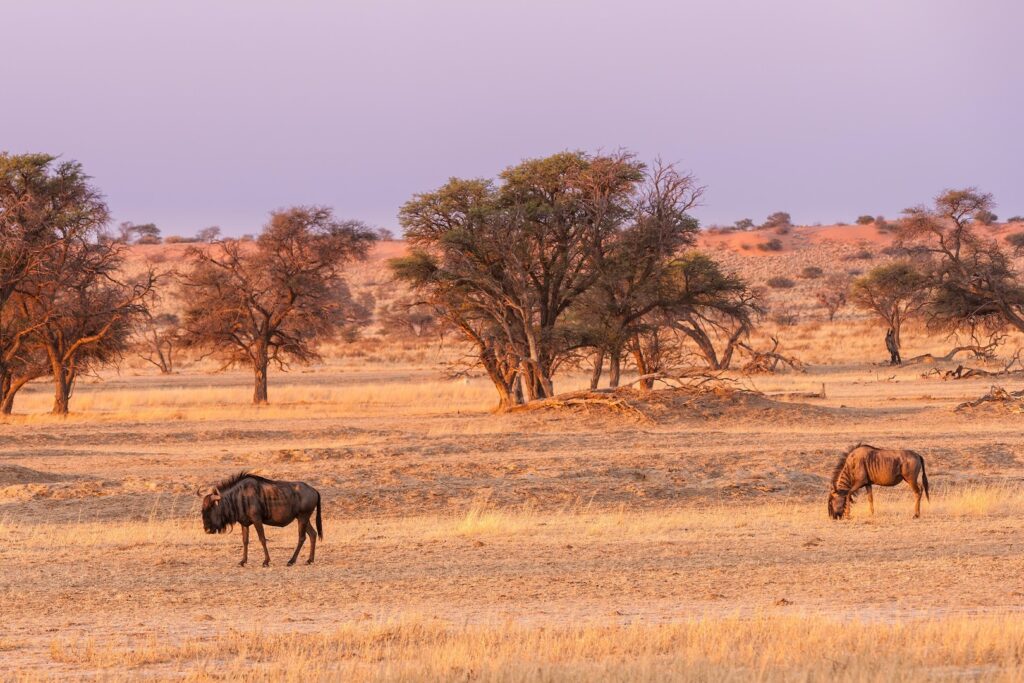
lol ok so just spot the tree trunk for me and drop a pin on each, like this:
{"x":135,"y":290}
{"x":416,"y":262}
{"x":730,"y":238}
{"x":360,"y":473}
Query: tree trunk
{"x":704,"y":345}
{"x":259,"y":395}
{"x":595,"y":377}
{"x":62,"y":384}
{"x":614,"y":368}
{"x":6,"y":394}
{"x":10,"y":389}
{"x":642,"y":368}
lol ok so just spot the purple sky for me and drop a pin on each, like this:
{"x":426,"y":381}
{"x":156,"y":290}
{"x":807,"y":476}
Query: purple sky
{"x":191,"y":113}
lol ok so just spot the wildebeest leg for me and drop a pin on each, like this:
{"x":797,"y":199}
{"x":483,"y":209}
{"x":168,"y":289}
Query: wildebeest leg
{"x":245,"y":545}
{"x":312,"y":543}
{"x":263,"y":541}
{"x":917,"y":495}
{"x":871,"y":498}
{"x":302,"y":523}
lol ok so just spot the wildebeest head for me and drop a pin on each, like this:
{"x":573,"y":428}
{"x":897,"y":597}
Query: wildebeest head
{"x":213,"y":513}
{"x":837,"y":502}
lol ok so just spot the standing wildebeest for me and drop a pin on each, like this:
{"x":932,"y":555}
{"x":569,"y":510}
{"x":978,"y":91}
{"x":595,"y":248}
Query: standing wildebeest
{"x":250,"y":499}
{"x":866,"y":465}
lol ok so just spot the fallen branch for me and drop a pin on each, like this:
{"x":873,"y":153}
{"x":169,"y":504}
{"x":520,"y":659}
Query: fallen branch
{"x":1012,"y":401}
{"x":767,"y":362}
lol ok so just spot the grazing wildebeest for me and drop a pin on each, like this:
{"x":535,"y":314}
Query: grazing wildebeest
{"x":866,"y":465}
{"x":248,"y":499}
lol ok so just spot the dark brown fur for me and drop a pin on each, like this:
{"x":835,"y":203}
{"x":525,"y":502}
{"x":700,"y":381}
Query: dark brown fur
{"x":250,"y":500}
{"x":864,"y":466}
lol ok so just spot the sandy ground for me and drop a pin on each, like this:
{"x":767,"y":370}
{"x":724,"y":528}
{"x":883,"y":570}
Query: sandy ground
{"x":471,"y":517}
{"x":437,"y":511}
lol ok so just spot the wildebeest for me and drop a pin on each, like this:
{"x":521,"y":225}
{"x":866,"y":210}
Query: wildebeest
{"x":249,"y":499}
{"x":865,"y":465}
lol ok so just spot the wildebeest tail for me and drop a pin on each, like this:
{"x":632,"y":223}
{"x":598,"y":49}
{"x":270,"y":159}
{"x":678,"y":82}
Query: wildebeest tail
{"x":924,"y":480}
{"x":320,"y":522}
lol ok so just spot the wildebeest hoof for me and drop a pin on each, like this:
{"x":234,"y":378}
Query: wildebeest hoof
{"x":309,"y":561}
{"x":291,"y":562}
{"x":242,"y":563}
{"x":266,"y":563}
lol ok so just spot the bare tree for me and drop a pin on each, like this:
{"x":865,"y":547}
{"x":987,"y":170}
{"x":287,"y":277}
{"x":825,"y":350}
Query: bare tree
{"x":833,"y":293}
{"x":277,"y":300}
{"x":159,"y":339}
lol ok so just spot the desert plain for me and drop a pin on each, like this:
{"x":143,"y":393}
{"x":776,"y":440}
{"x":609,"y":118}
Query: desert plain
{"x":687,"y":540}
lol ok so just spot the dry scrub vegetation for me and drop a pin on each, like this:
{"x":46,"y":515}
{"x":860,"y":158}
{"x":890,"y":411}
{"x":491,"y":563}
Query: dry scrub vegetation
{"x":538,"y":545}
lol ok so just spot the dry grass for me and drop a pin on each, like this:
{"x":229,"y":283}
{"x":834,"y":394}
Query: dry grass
{"x":461,"y":545}
{"x":764,"y":647}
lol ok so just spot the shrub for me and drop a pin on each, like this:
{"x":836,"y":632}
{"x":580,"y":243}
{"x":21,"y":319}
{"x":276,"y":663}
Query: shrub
{"x":744,"y":224}
{"x":780,"y":282}
{"x":178,"y":239}
{"x":1015,"y":219}
{"x":1016,"y":240}
{"x":784,"y":316}
{"x":865,"y":220}
{"x":859,"y":255}
{"x":986,"y":217}
{"x":778,"y":219}
{"x":811,"y":272}
{"x":773,"y":244}
{"x":148,"y":239}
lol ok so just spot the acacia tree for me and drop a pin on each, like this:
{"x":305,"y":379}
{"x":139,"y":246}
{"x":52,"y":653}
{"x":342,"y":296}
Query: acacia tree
{"x":894,"y":292}
{"x":716,"y":310}
{"x":973,"y":277}
{"x":44,"y":206}
{"x":274,"y":300}
{"x":503,"y":263}
{"x":636,"y":272}
{"x":84,"y":312}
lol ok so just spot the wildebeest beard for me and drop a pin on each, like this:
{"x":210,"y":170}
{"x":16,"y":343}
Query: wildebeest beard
{"x":218,"y":515}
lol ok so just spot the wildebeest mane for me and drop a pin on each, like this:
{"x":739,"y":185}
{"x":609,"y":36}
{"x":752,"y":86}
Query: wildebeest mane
{"x":838,"y":469}
{"x":234,"y":479}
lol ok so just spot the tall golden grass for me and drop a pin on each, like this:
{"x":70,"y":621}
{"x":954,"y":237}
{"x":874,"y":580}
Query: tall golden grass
{"x":762,"y":647}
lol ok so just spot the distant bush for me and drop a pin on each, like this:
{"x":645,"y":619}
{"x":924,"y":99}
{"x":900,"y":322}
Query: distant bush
{"x":178,"y":239}
{"x":811,"y":272}
{"x":865,"y":220}
{"x":783,"y":229}
{"x":860,"y":255}
{"x":1015,"y":219}
{"x":778,"y":219}
{"x":744,"y":224}
{"x":780,"y":282}
{"x":986,"y":217}
{"x":784,"y":316}
{"x":149,"y":239}
{"x":1016,"y":240}
{"x":773,"y":244}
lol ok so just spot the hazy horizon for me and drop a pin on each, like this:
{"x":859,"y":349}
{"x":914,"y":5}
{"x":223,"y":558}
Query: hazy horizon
{"x":190,"y":114}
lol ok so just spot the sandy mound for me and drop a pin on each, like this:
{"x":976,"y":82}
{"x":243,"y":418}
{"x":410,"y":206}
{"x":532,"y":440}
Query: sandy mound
{"x":15,"y":474}
{"x":672,"y":405}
